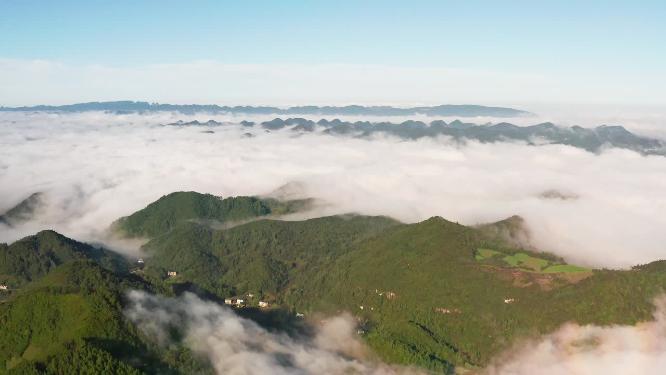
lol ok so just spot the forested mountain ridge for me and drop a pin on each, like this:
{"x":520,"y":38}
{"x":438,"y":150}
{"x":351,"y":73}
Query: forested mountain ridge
{"x":170,"y":210}
{"x":591,"y":139}
{"x":434,"y":294}
{"x":448,"y":283}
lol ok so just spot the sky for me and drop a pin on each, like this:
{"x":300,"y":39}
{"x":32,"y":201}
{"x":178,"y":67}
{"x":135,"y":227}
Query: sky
{"x":289,"y":52}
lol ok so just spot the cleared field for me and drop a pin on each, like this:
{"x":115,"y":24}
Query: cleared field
{"x":528,"y":262}
{"x":564,"y":268}
{"x":482,"y":254}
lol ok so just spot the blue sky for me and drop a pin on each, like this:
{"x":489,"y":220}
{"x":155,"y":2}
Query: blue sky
{"x":618,"y":41}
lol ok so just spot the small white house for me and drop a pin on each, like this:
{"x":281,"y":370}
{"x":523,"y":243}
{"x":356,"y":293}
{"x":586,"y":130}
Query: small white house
{"x":509,"y":300}
{"x":140,"y":261}
{"x":3,"y":287}
{"x":263,"y":304}
{"x":172,"y":273}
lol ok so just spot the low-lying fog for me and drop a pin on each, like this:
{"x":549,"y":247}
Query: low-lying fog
{"x":607,"y":210}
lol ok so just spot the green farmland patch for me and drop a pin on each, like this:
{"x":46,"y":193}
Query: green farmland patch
{"x":564,"y":268}
{"x":526,"y":261}
{"x":482,"y":254}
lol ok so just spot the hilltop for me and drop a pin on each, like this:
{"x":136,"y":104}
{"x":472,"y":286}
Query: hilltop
{"x":34,"y":256}
{"x":170,"y":210}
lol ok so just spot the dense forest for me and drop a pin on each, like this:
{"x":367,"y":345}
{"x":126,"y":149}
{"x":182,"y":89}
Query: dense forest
{"x":435,"y":294}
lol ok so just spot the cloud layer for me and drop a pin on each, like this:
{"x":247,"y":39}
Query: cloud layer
{"x":239,"y":346}
{"x":575,"y":349}
{"x":96,"y":167}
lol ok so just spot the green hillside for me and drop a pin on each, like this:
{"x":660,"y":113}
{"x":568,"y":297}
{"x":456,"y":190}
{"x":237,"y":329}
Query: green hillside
{"x":427,"y":300}
{"x":261,"y":256}
{"x":176,"y":208}
{"x":71,"y":321}
{"x":76,"y":304}
{"x":448,"y":304}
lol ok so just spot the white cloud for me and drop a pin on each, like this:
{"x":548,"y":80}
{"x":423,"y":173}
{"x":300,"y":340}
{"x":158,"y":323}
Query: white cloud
{"x":239,"y":346}
{"x":583,"y":350}
{"x":97,"y":167}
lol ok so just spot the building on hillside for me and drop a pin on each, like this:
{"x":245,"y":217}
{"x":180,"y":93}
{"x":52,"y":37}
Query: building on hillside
{"x":263,"y":304}
{"x":3,"y":287}
{"x":509,"y":300}
{"x":172,"y":273}
{"x":234,"y":301}
{"x":250,"y":295}
{"x":140,"y":261}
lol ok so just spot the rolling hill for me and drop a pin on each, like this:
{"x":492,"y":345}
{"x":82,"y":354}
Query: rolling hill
{"x":434,"y":294}
{"x":34,"y":256}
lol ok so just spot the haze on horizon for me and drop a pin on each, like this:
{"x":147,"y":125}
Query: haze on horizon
{"x":523,"y":54}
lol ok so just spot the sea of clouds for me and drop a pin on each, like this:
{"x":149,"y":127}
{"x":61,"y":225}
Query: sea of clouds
{"x":96,"y":167}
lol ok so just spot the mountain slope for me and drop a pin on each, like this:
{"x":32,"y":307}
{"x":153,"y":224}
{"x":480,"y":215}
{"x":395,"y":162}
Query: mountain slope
{"x":72,"y":320}
{"x":24,"y":211}
{"x":76,"y":301}
{"x":262,"y":256}
{"x":435,"y":293}
{"x":428,"y":300}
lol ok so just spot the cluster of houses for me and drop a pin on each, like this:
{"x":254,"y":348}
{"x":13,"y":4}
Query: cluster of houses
{"x":4,"y":287}
{"x":240,"y":302}
{"x":172,"y":273}
{"x":444,"y":310}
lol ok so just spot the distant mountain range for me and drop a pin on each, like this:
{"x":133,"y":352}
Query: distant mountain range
{"x":357,"y":110}
{"x":590,"y":139}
